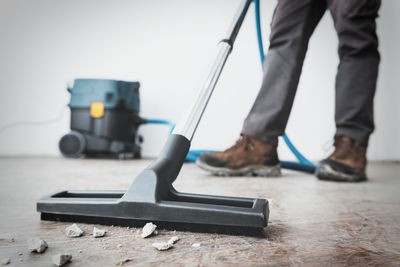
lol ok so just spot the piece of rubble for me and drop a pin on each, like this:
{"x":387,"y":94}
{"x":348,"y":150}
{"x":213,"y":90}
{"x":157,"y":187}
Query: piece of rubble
{"x":5,"y":261}
{"x":80,"y":251}
{"x":73,"y":231}
{"x":162,"y":245}
{"x":196,"y":245}
{"x":20,"y":254}
{"x":166,"y":245}
{"x":119,"y":246}
{"x":173,"y":240}
{"x":98,"y":232}
{"x":37,"y":245}
{"x":121,"y":262}
{"x":148,"y":229}
{"x":61,"y":259}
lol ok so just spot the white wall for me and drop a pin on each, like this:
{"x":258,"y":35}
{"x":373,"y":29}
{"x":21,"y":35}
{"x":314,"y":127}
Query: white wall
{"x":168,"y":46}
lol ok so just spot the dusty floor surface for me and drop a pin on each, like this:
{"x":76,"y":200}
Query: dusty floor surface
{"x":312,"y":223}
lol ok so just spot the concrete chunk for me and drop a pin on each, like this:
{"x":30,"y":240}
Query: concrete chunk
{"x":173,"y":240}
{"x":148,"y":229}
{"x":162,"y":245}
{"x":61,"y":259}
{"x":5,"y":261}
{"x":73,"y":231}
{"x":121,"y":262}
{"x":37,"y":245}
{"x":196,"y":245}
{"x":166,"y":245}
{"x":98,"y":232}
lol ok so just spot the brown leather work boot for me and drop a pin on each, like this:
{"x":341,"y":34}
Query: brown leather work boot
{"x":247,"y":157}
{"x":346,"y":164}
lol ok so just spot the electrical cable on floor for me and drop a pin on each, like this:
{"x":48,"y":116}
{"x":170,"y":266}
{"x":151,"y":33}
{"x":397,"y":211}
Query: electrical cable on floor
{"x":34,"y":123}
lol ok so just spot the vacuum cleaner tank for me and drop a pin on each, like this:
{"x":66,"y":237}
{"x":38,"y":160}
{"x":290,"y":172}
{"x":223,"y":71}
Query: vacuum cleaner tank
{"x":104,"y":118}
{"x":113,"y":93}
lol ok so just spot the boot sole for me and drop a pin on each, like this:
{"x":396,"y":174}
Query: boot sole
{"x":327,"y":173}
{"x":252,"y":170}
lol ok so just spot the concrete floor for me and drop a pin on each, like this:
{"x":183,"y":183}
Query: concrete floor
{"x":312,"y":223}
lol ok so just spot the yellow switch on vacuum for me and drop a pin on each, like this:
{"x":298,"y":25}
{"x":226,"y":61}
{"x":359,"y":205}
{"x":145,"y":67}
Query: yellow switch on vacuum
{"x":97,"y":109}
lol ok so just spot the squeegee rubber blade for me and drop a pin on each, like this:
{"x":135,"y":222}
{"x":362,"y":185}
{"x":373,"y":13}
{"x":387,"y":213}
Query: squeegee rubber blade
{"x":191,"y":227}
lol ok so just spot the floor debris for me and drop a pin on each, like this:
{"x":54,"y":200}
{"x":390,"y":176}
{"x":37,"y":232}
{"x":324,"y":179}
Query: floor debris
{"x":73,"y":231}
{"x":196,"y":245}
{"x":166,"y":245}
{"x":98,"y":232}
{"x":119,"y":246}
{"x":5,"y":261}
{"x":121,"y":262}
{"x":148,"y":229}
{"x":61,"y":259}
{"x":173,"y":240}
{"x":162,"y":245}
{"x":37,"y":245}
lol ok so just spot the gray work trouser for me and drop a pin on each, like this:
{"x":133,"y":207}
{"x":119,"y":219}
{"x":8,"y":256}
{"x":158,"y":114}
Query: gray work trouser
{"x":292,"y":25}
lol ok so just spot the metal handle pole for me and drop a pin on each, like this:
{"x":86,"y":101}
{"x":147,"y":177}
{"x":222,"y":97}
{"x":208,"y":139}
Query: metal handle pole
{"x":188,"y":128}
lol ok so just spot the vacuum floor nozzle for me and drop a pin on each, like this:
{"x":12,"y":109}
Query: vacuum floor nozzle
{"x":186,"y":212}
{"x":152,"y":198}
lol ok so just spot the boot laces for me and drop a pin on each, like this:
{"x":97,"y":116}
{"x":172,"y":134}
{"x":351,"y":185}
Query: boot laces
{"x":244,"y":141}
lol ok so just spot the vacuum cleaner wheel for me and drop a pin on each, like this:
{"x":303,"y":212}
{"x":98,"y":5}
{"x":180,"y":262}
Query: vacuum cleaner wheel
{"x":72,"y":144}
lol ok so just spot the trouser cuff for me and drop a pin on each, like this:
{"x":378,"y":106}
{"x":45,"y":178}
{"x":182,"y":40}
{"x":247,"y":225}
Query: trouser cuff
{"x":359,"y":136}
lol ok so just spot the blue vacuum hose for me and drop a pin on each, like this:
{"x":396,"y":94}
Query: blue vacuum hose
{"x":160,"y":121}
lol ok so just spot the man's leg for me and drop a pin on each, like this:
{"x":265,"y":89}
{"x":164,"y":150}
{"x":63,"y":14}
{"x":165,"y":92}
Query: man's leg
{"x":292,"y":25}
{"x":358,"y":68}
{"x":255,"y":152}
{"x":355,"y":88}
